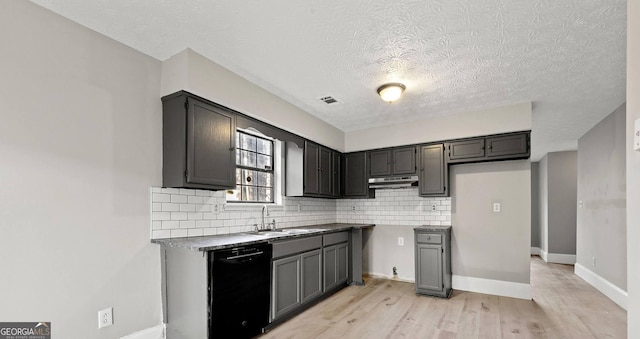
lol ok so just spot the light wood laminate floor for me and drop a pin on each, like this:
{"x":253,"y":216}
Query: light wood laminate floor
{"x":563,"y":306}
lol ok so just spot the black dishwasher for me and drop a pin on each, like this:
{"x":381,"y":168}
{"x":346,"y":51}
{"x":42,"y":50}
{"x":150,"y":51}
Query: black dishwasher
{"x":239,"y":291}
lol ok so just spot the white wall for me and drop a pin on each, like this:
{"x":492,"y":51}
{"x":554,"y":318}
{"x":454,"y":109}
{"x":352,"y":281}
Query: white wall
{"x":485,"y":244}
{"x":633,"y":166}
{"x":465,"y":124}
{"x":191,"y":71}
{"x":80,"y":143}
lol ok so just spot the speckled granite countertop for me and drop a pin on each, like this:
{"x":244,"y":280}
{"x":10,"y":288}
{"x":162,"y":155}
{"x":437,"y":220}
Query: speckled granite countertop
{"x":217,"y":242}
{"x":427,"y":228}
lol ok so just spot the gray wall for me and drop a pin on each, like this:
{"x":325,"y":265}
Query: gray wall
{"x":80,"y":147}
{"x":557,"y":189}
{"x":561,"y":199}
{"x":485,"y":244}
{"x":601,"y":223}
{"x":535,"y":205}
{"x":633,"y":164}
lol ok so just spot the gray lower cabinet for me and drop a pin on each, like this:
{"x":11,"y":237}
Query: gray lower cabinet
{"x":297,"y":274}
{"x":433,"y":260}
{"x":336,"y":260}
{"x":311,"y":281}
{"x":286,"y":285}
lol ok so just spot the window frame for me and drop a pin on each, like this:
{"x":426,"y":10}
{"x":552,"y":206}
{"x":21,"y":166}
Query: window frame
{"x":272,"y":171}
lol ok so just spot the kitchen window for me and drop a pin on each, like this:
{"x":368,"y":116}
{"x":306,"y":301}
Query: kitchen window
{"x":254,"y":169}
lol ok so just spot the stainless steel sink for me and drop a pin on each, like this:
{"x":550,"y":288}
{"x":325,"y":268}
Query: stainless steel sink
{"x":284,"y":231}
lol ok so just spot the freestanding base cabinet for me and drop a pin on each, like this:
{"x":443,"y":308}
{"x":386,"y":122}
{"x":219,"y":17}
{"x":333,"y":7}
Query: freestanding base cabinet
{"x":433,"y":260}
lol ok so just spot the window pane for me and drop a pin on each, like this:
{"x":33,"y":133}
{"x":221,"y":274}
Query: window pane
{"x":247,"y":159}
{"x":238,"y":175}
{"x":249,"y":193}
{"x":265,"y":179}
{"x":248,"y":142}
{"x":264,"y":162}
{"x":249,"y":177}
{"x":264,"y":194}
{"x":264,"y":146}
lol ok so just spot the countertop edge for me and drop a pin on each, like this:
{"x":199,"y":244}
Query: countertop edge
{"x":218,"y":242}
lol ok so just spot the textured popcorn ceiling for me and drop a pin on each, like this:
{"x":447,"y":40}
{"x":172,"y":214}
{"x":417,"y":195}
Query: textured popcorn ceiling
{"x":567,"y":57}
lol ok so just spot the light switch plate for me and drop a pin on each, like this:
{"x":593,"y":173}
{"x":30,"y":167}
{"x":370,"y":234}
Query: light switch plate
{"x":636,"y":136}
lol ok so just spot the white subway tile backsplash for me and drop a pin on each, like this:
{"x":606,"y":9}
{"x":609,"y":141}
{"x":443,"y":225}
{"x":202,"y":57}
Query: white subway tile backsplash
{"x":179,"y":216}
{"x":170,"y":207}
{"x":170,"y":224}
{"x":181,"y":233}
{"x":178,"y":198}
{"x":158,"y":197}
{"x":185,"y":212}
{"x":187,"y":224}
{"x":195,"y":232}
{"x":160,"y":215}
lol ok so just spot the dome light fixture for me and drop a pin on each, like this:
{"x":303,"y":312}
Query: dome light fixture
{"x":391,"y":92}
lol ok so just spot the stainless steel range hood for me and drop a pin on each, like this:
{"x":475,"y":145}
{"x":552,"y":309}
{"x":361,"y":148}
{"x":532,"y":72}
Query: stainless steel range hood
{"x":393,"y":182}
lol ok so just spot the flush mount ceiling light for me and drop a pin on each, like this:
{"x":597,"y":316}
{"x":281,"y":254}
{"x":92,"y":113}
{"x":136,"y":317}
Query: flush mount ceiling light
{"x":391,"y":92}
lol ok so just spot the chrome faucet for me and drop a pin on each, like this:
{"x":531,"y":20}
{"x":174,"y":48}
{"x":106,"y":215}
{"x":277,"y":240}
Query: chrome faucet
{"x":264,"y":209}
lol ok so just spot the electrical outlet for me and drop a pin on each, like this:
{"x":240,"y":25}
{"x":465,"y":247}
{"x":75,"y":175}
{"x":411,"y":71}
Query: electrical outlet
{"x":434,"y":207}
{"x":580,"y":204}
{"x":594,"y":261}
{"x":496,"y":207}
{"x":216,"y":208}
{"x":353,"y":207}
{"x":395,"y":271}
{"x":105,"y":317}
{"x":400,"y":241}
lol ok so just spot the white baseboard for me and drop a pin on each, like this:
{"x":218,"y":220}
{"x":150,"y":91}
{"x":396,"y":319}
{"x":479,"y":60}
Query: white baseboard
{"x":557,"y":258}
{"x":156,"y":332}
{"x":495,"y":287}
{"x":613,"y":292}
{"x":535,"y":250}
{"x":543,"y":254}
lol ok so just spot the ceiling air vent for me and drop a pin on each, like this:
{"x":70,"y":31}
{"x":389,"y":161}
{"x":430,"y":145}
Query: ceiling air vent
{"x":329,"y":100}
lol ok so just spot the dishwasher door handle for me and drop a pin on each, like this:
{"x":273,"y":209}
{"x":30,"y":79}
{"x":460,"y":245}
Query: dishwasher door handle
{"x":244,"y":255}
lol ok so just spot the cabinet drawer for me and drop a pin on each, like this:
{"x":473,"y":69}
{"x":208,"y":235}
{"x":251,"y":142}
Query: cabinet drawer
{"x":335,"y":238}
{"x":429,"y":238}
{"x":287,"y":247}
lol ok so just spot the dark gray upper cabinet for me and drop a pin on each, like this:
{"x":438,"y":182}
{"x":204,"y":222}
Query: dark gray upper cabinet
{"x":318,"y":170}
{"x":380,"y":163}
{"x":397,"y":161}
{"x":326,"y":171}
{"x":311,"y":168}
{"x":460,"y":151}
{"x":198,"y":143}
{"x":336,"y":174}
{"x":498,"y":147}
{"x":508,"y":145}
{"x":434,"y":176}
{"x":355,"y":179}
